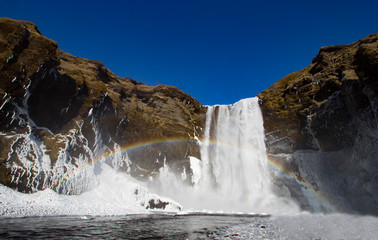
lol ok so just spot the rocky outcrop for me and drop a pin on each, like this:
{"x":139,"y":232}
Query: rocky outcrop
{"x":321,"y":125}
{"x":60,"y":113}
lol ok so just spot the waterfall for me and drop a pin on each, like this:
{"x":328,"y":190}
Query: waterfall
{"x":233,"y":173}
{"x":233,"y":153}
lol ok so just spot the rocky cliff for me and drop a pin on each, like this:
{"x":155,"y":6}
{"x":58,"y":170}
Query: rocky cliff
{"x":321,"y":125}
{"x":60,"y":113}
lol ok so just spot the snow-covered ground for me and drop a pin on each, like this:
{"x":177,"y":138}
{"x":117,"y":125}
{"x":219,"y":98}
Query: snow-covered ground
{"x":116,"y":194}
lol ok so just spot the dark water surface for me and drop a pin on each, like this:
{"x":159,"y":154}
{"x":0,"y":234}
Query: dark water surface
{"x":194,"y":226}
{"x":154,"y":226}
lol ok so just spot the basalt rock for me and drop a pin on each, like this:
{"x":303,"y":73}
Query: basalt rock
{"x":321,"y":125}
{"x":59,"y":113}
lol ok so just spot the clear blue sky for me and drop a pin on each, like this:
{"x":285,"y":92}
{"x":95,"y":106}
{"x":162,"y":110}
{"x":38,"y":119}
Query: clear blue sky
{"x":218,"y":51}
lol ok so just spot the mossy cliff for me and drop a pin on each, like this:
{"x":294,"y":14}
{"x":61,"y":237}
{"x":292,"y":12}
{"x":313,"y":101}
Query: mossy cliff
{"x":59,"y":112}
{"x":321,"y":125}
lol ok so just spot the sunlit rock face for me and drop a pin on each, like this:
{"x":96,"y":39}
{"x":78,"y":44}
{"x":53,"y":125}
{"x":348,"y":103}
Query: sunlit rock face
{"x":60,"y":113}
{"x":321,"y":125}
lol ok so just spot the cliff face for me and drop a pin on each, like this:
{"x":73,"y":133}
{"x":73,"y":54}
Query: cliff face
{"x":59,"y":113}
{"x":321,"y":125}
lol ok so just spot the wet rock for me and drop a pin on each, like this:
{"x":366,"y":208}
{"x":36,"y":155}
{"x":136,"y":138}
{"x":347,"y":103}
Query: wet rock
{"x":156,"y":204}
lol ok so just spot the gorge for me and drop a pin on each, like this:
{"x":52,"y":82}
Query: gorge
{"x":73,"y":132}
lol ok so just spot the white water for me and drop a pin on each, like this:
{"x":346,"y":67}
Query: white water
{"x":233,"y":174}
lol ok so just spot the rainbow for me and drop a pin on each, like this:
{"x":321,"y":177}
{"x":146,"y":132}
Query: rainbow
{"x":278,"y":166}
{"x":127,"y":149}
{"x":145,"y":144}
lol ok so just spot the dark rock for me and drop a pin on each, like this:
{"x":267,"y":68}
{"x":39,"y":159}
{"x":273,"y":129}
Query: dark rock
{"x":64,"y":111}
{"x":323,"y":120}
{"x":54,"y":99}
{"x":156,"y":204}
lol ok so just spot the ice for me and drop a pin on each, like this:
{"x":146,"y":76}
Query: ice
{"x":116,"y":194}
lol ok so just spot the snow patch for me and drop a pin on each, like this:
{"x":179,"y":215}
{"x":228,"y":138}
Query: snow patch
{"x":5,"y":102}
{"x":10,"y":58}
